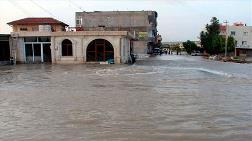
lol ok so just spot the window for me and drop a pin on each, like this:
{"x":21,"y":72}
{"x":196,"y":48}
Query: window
{"x":67,"y":49}
{"x":35,"y":29}
{"x":23,"y":29}
{"x":44,"y":39}
{"x":243,"y":52}
{"x":245,"y":33}
{"x":30,"y":39}
{"x":244,"y":42}
{"x":232,"y":33}
{"x":78,"y":21}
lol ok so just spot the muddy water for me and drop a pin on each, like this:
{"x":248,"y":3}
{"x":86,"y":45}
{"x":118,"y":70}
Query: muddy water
{"x":163,"y":98}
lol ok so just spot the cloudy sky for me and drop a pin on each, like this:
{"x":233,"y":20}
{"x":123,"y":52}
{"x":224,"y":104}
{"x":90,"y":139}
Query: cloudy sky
{"x":178,"y":20}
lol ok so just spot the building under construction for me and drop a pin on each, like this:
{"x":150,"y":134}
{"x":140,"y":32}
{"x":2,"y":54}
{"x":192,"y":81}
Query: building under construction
{"x":142,"y":24}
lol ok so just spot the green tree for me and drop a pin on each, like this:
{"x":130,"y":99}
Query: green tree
{"x":189,"y":46}
{"x":211,"y":41}
{"x":231,"y":43}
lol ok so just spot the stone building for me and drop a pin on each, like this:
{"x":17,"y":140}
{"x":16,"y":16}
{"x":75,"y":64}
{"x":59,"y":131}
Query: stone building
{"x":36,"y":40}
{"x":142,"y":24}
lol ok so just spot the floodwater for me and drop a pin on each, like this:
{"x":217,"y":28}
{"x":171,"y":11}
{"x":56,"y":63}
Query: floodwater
{"x":167,"y":98}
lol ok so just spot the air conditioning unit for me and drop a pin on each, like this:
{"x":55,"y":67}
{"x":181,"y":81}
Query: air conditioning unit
{"x":45,"y":28}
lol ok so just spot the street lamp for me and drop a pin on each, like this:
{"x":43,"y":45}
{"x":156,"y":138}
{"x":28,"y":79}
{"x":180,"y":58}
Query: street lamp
{"x":226,"y":22}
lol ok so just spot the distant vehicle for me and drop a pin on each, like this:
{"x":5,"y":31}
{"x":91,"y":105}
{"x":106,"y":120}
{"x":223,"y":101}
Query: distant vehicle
{"x":196,"y":53}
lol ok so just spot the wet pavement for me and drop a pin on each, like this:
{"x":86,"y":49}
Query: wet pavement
{"x":177,"y":98}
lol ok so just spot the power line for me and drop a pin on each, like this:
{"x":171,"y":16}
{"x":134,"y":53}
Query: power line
{"x":19,"y":7}
{"x":76,"y":5}
{"x":42,"y":8}
{"x":45,"y":10}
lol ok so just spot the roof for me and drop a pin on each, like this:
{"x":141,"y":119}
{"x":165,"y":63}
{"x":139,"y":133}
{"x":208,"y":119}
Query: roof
{"x":36,"y":21}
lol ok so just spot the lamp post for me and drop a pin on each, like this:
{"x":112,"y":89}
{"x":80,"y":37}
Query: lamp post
{"x":226,"y":22}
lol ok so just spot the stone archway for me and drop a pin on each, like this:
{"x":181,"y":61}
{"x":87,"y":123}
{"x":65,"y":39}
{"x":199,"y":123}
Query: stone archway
{"x":99,"y":50}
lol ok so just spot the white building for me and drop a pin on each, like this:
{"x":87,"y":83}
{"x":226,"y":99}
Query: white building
{"x":243,"y":36}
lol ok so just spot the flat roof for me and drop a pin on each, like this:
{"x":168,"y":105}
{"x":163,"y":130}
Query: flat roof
{"x":75,"y":33}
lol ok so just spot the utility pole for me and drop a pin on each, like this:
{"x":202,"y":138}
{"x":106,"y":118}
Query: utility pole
{"x":226,"y":22}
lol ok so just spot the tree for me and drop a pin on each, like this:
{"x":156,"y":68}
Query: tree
{"x":211,"y":41}
{"x":231,"y":43}
{"x":189,"y":46}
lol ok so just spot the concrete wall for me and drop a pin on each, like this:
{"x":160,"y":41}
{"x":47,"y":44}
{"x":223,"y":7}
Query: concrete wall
{"x":140,"y":47}
{"x":17,"y":49}
{"x":116,"y":18}
{"x":80,"y":43}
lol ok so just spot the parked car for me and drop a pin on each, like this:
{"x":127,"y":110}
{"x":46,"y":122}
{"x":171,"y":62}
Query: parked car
{"x":196,"y":53}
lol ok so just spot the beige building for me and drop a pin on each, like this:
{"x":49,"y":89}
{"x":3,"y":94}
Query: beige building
{"x":243,"y":36}
{"x":142,"y":24}
{"x":59,"y":46}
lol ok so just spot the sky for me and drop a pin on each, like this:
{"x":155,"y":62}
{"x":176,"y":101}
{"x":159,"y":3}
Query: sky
{"x":178,"y":20}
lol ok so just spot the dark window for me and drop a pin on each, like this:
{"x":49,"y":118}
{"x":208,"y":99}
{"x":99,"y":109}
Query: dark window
{"x":30,"y":39}
{"x":44,"y":39}
{"x":37,"y":49}
{"x":233,"y":33}
{"x":47,"y":53}
{"x":67,"y":49}
{"x":4,"y":51}
{"x":28,"y":50}
{"x":23,"y":29}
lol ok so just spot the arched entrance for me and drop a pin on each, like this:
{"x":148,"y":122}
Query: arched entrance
{"x":100,"y":50}
{"x":67,"y":48}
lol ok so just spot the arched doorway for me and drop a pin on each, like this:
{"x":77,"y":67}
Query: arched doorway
{"x":100,"y":50}
{"x":67,"y":49}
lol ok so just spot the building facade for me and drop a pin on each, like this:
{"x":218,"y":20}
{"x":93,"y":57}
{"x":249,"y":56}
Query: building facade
{"x":243,"y":36}
{"x":142,"y":24}
{"x":60,"y":47}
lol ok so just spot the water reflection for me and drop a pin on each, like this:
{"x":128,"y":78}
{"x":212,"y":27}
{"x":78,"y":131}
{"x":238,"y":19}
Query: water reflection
{"x":163,"y":98}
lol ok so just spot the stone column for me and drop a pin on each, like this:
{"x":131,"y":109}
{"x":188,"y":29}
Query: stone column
{"x":53,"y":53}
{"x":117,"y":51}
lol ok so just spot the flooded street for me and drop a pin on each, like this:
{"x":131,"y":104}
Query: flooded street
{"x":165,"y":98}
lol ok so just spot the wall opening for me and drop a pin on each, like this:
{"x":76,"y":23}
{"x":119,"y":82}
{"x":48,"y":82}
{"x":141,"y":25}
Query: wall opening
{"x":100,"y":50}
{"x":67,"y":48}
{"x":37,"y":49}
{"x":4,"y":51}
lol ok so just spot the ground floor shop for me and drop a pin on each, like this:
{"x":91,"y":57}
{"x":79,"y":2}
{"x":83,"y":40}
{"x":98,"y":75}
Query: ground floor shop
{"x":4,"y":48}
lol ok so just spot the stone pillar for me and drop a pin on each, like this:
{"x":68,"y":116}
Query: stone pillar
{"x":53,"y":53}
{"x":117,"y":51}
